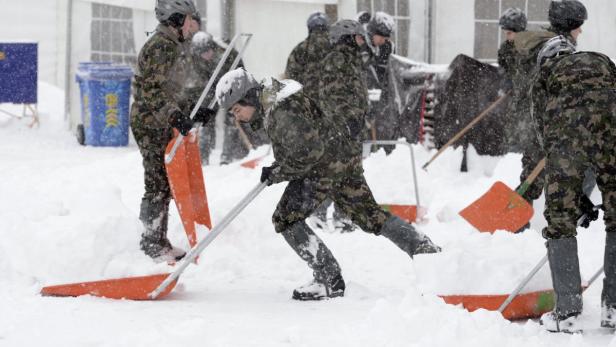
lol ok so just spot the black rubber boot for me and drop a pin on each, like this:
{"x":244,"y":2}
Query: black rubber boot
{"x":154,"y":242}
{"x":328,"y":282}
{"x":567,"y":283}
{"x":608,"y":295}
{"x":404,"y":235}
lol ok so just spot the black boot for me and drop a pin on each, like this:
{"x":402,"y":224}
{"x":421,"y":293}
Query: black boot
{"x":404,"y":235}
{"x":567,"y":283}
{"x":608,"y":295}
{"x":154,"y":242}
{"x":328,"y":282}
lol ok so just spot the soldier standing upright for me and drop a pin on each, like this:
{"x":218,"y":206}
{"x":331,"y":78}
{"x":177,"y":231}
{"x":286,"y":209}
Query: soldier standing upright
{"x":565,"y":17}
{"x":518,"y":129}
{"x":575,"y":95}
{"x":316,"y":154}
{"x":381,"y":120}
{"x":305,"y":63}
{"x":160,"y":105}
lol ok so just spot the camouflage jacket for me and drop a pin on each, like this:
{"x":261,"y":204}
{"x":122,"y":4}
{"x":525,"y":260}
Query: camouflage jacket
{"x":507,"y":58}
{"x":305,"y":62}
{"x":574,"y":94}
{"x":305,"y":142}
{"x":160,"y":79}
{"x":343,"y":92}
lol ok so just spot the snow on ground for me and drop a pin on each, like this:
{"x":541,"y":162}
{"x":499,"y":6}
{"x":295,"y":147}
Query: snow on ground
{"x":70,"y":213}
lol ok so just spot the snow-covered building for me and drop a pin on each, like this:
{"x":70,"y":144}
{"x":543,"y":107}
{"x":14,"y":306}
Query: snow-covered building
{"x":70,"y":31}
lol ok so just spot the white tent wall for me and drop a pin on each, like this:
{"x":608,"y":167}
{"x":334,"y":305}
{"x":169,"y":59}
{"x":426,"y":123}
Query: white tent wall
{"x":277,"y":27}
{"x":33,"y":20}
{"x":601,"y":21}
{"x":453,"y":30}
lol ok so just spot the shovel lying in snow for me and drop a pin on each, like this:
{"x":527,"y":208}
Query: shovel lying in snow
{"x":253,"y":163}
{"x":409,"y":213}
{"x":502,"y":208}
{"x":154,"y":286}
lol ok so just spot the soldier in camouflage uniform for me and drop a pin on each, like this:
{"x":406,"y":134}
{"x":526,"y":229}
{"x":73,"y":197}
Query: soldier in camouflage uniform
{"x":207,"y":52}
{"x":564,"y":16}
{"x":160,"y":105}
{"x":343,"y":94}
{"x":575,"y":95}
{"x":305,"y":63}
{"x":381,"y":119}
{"x":518,"y":129}
{"x":319,"y":163}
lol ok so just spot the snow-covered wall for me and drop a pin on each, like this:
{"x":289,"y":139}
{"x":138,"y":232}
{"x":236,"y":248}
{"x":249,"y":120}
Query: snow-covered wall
{"x":277,"y":27}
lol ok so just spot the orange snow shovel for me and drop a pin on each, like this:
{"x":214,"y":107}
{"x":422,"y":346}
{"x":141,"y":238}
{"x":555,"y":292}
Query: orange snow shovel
{"x":186,"y":180}
{"x":501,"y":208}
{"x":132,"y":288}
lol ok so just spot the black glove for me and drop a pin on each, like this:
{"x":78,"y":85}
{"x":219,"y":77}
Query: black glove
{"x":181,"y":122}
{"x":204,"y":115}
{"x":267,"y":174}
{"x":590,"y":213}
{"x":355,"y":128}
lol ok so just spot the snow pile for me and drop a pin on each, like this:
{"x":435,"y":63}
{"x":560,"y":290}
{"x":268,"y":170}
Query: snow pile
{"x":70,"y":213}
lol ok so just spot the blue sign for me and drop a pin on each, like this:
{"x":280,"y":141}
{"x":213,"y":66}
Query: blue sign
{"x":18,"y":72}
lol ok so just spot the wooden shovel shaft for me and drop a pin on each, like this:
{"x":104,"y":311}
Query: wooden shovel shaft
{"x":243,"y":136}
{"x":531,"y":178}
{"x":466,"y":129}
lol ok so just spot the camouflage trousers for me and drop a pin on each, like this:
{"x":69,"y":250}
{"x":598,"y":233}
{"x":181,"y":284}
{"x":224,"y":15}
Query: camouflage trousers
{"x":350,"y":193}
{"x":565,"y":170}
{"x":155,"y":201}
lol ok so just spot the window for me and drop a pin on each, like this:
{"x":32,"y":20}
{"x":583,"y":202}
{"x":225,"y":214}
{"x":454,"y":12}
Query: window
{"x":399,"y":9}
{"x":111,"y":34}
{"x":489,"y":36}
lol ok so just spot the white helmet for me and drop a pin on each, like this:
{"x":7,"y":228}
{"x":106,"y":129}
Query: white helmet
{"x":233,"y":87}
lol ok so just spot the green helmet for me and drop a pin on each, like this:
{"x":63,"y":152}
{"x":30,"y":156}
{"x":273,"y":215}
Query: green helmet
{"x":164,"y":9}
{"x":567,"y":15}
{"x":234,"y":86}
{"x":345,"y":27}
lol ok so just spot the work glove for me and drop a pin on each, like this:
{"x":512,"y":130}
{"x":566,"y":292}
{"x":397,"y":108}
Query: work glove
{"x":589,"y":211}
{"x":269,"y":173}
{"x":181,"y":122}
{"x":204,"y":115}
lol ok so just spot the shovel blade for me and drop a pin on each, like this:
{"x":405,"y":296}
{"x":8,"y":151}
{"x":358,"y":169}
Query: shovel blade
{"x":251,"y":164}
{"x":499,"y":209}
{"x":408,"y":213}
{"x":132,"y":288}
{"x":185,"y":177}
{"x":528,"y":305}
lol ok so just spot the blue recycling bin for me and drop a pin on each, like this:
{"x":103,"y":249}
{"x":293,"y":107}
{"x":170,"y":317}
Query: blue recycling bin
{"x":82,"y":70}
{"x":105,"y":98}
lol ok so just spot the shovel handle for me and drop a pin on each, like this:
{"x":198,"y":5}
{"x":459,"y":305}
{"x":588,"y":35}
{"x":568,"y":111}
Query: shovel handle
{"x":461,"y":133}
{"x":531,"y":178}
{"x":523,"y":284}
{"x":194,"y":253}
{"x":210,"y":82}
{"x":243,"y":136}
